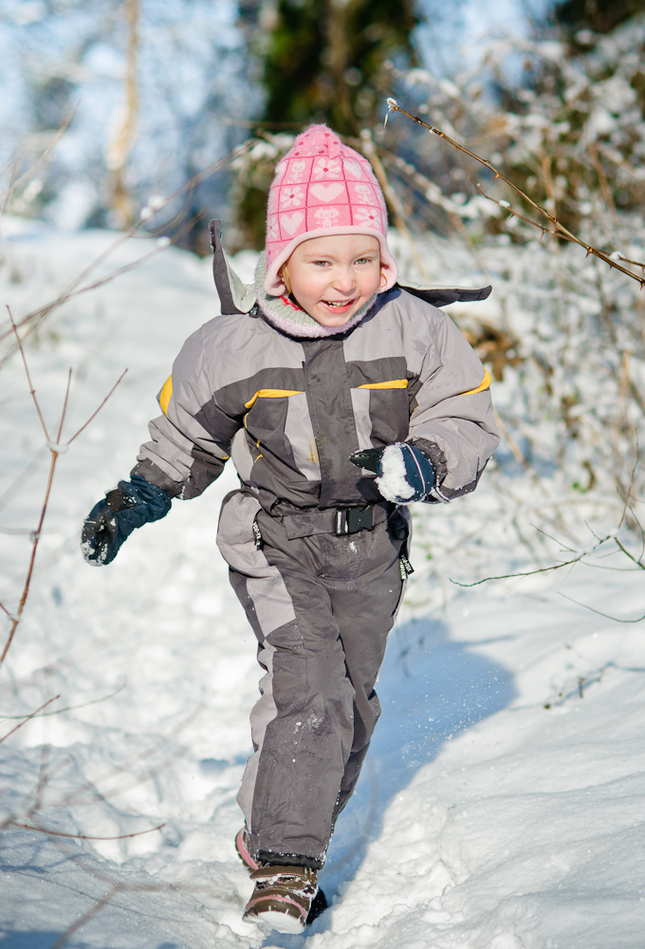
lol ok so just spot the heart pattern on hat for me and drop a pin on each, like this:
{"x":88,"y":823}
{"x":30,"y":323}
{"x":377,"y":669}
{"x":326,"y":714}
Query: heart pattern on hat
{"x":291,"y":222}
{"x":327,"y":192}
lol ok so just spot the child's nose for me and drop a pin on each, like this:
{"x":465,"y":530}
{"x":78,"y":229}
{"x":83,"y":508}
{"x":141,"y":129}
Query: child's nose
{"x":344,"y":280}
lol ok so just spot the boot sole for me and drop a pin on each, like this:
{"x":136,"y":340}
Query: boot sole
{"x":277,"y":920}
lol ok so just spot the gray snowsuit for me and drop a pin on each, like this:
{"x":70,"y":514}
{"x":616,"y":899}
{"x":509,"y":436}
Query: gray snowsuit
{"x":316,"y":557}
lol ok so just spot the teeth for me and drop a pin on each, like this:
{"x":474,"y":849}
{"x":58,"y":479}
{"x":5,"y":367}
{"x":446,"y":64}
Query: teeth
{"x":337,"y":303}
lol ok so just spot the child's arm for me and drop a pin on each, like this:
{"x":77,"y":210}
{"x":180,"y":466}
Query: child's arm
{"x":452,"y":421}
{"x":188,"y":450}
{"x":190,"y":442}
{"x":452,"y":431}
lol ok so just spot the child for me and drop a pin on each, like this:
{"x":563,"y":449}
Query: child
{"x":341,"y":398}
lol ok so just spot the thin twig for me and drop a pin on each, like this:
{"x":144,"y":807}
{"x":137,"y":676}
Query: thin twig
{"x":636,"y":263}
{"x":59,"y":833}
{"x":66,"y":708}
{"x":76,"y":288}
{"x":96,"y":412}
{"x":532,"y":573}
{"x":32,"y":560}
{"x":561,"y":230}
{"x":55,"y":448}
{"x":616,"y":619}
{"x":64,"y":410}
{"x":32,"y":390}
{"x":28,"y":718}
{"x":44,"y":155}
{"x":638,"y":561}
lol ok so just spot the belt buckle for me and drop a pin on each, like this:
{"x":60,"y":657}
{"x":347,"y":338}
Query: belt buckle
{"x":350,"y":520}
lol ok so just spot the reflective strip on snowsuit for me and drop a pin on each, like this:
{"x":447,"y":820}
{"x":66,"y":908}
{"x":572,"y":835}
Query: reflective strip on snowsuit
{"x":290,"y":412}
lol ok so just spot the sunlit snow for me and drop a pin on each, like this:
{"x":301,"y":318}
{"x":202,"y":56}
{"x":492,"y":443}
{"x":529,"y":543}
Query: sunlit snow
{"x":501,"y":803}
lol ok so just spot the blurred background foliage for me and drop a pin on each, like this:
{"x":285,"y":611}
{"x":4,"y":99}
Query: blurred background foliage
{"x":134,"y":100}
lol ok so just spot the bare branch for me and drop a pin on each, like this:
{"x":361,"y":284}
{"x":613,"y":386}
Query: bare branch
{"x":635,"y":560}
{"x":96,"y":412}
{"x":560,"y":229}
{"x":59,"y":833}
{"x":28,"y":718}
{"x":55,"y":448}
{"x":78,"y":286}
{"x":64,"y":411}
{"x":42,"y":158}
{"x":32,"y":560}
{"x":616,"y":619}
{"x":532,"y":573}
{"x":67,"y":708}
{"x":32,"y":390}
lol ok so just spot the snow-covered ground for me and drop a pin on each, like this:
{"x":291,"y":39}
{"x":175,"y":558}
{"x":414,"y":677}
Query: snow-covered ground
{"x":501,"y":803}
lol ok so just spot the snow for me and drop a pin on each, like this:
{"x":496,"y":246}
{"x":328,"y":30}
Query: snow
{"x":501,"y":803}
{"x":393,"y":483}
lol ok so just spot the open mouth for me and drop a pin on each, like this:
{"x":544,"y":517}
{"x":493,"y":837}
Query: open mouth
{"x":338,"y":304}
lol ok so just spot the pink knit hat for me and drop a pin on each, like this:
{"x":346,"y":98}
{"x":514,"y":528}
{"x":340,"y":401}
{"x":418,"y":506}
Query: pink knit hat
{"x":322,"y":187}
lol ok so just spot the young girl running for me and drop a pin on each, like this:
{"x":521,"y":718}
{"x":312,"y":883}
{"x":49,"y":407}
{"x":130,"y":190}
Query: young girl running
{"x":341,"y":398}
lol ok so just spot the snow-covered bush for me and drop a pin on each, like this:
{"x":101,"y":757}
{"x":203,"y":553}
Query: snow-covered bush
{"x":562,"y":332}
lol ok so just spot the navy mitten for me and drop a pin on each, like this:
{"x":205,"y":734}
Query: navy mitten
{"x":403,"y":473}
{"x":111,"y":521}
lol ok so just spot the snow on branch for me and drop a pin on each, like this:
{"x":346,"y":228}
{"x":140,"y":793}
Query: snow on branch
{"x":558,"y":229}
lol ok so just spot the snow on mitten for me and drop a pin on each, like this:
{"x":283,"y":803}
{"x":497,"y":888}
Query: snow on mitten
{"x":403,"y":473}
{"x":111,"y":521}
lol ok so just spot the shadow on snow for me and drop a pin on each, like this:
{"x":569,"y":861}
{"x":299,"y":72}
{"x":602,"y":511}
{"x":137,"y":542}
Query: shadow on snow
{"x":431,"y":689}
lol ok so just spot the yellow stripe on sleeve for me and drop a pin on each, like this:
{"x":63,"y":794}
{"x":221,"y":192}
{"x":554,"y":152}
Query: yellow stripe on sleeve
{"x":391,"y":384}
{"x":271,"y":394}
{"x":165,"y":395}
{"x":485,"y":384}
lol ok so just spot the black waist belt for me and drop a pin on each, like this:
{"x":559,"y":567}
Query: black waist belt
{"x":338,"y":520}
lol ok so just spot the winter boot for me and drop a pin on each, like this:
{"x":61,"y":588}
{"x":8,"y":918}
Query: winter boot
{"x":282,"y":897}
{"x":319,"y":903}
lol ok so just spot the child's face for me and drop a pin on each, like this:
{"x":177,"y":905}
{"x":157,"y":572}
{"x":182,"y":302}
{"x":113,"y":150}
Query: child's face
{"x":332,"y":277}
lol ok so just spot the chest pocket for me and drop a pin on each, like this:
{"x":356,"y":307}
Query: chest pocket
{"x":267,"y":412}
{"x":382,"y":411}
{"x":278,"y":420}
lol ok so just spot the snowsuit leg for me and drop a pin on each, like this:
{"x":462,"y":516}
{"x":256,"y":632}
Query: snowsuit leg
{"x":321,"y":607}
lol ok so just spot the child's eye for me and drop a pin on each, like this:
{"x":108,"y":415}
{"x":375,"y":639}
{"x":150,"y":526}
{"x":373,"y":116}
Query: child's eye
{"x":320,"y":263}
{"x":365,"y":260}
